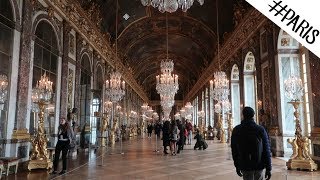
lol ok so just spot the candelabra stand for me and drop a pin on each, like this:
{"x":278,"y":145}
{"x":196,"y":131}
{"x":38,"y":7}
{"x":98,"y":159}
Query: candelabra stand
{"x":39,"y":157}
{"x":114,"y":126}
{"x":104,"y":127}
{"x":201,"y":115}
{"x":221,"y":131}
{"x":300,"y":159}
{"x":230,"y":127}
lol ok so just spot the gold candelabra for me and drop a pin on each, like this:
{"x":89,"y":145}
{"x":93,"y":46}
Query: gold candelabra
{"x":104,"y":127}
{"x":300,"y":158}
{"x":221,"y":131}
{"x":41,"y":95}
{"x":230,"y":127}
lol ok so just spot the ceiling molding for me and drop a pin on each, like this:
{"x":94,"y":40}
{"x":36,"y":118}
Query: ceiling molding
{"x":72,"y":12}
{"x":250,"y":24}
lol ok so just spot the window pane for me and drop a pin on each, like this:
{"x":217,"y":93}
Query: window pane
{"x":36,"y":76}
{"x":54,"y":63}
{"x":5,"y":39}
{"x":46,"y":59}
{"x":5,"y":9}
{"x":37,"y":55}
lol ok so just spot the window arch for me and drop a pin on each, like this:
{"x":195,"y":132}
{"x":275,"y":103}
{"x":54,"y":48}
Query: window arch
{"x":6,"y":47}
{"x":85,"y":93}
{"x":249,"y":81}
{"x":235,"y":95}
{"x":45,"y":61}
{"x":292,"y":61}
{"x":85,"y":70}
{"x":99,"y":77}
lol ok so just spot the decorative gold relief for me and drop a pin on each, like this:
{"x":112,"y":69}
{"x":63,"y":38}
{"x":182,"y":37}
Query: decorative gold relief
{"x":285,"y":42}
{"x":20,"y":134}
{"x":72,"y":44}
{"x":50,"y":11}
{"x":70,"y":88}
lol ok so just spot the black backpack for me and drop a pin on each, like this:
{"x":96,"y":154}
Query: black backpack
{"x":250,"y":146}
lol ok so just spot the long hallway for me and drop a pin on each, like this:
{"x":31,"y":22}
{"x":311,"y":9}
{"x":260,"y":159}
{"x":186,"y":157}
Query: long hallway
{"x":139,"y":161}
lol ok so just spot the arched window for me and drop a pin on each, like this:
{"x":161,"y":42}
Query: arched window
{"x":292,"y":61}
{"x":235,"y":95}
{"x":45,"y":61}
{"x":249,"y":81}
{"x":96,"y":104}
{"x":6,"y":43}
{"x":206,"y":107}
{"x":99,"y":78}
{"x":84,"y":93}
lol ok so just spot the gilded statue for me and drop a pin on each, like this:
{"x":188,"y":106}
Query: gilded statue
{"x":105,"y":124}
{"x":35,"y":151}
{"x":295,"y":147}
{"x":305,"y":150}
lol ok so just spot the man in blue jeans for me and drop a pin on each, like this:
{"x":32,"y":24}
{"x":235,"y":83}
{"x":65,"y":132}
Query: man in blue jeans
{"x":250,"y":148}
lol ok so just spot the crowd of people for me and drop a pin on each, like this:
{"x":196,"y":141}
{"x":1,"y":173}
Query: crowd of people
{"x":176,"y":134}
{"x":249,"y":143}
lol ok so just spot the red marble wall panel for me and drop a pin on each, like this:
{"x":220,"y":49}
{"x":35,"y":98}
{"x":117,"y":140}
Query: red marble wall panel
{"x":315,"y":81}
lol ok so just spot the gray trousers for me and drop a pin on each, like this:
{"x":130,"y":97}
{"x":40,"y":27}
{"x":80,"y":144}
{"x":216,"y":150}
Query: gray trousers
{"x":253,"y":175}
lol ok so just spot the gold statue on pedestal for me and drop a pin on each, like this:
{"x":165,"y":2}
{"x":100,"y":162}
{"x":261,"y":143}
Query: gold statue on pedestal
{"x":113,"y":131}
{"x":221,"y":131}
{"x":300,"y":159}
{"x":230,"y":127}
{"x":39,"y":157}
{"x":103,"y":128}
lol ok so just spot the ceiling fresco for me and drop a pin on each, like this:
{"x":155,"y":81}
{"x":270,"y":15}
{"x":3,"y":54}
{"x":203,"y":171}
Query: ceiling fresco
{"x":192,"y":38}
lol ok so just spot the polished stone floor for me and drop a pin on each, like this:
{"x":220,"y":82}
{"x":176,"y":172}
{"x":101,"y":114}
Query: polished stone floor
{"x":139,"y":161}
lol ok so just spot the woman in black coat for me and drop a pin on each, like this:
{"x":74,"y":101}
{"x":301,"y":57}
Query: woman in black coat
{"x":166,"y":136}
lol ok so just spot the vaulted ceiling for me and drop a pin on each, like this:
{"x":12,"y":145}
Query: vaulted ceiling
{"x":192,"y":38}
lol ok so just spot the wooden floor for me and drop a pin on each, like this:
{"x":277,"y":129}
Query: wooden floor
{"x":139,"y":161}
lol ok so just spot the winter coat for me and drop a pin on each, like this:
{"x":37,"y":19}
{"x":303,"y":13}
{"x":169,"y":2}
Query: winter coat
{"x":266,"y":155}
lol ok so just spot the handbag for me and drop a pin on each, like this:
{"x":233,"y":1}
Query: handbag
{"x":72,"y":145}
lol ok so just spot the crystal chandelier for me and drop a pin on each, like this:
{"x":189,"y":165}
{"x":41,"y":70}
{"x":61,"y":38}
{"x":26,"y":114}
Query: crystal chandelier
{"x":170,"y":5}
{"x":188,"y":108}
{"x":183,"y":112}
{"x":221,"y":86}
{"x":293,"y":88}
{"x":226,"y":107}
{"x":115,"y":89}
{"x":43,"y":90}
{"x":3,"y":88}
{"x":166,"y":113}
{"x":166,"y":101}
{"x":167,"y":83}
{"x":221,"y":90}
{"x":201,"y":114}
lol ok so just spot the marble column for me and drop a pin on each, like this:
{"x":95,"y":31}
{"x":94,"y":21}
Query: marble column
{"x":64,"y":70}
{"x":23,"y":95}
{"x":78,"y":71}
{"x":315,"y":133}
{"x":276,"y":136}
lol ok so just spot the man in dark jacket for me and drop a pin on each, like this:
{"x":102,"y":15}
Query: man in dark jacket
{"x":250,"y":148}
{"x":182,"y":138}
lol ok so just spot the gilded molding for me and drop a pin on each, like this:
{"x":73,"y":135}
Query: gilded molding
{"x":241,"y":35}
{"x":72,"y":12}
